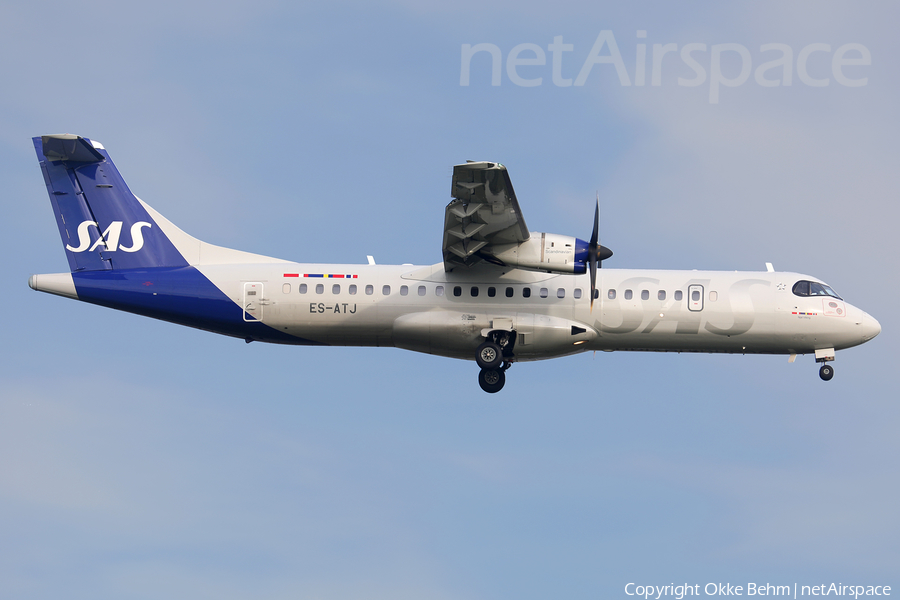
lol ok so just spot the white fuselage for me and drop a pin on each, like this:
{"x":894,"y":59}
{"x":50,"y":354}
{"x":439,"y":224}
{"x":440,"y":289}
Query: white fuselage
{"x":429,"y":310}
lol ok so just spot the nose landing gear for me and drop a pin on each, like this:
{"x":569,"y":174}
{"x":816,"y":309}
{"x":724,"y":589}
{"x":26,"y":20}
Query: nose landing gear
{"x":823,"y":355}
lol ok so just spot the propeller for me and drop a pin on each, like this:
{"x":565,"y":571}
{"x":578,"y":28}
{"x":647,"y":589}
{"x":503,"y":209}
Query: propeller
{"x":596,"y":253}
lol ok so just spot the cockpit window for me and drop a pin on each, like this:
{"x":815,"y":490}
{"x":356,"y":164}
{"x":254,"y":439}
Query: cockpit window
{"x":813,"y":288}
{"x":820,"y":289}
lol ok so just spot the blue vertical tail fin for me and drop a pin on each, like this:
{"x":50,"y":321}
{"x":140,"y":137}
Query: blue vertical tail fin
{"x":103,"y":225}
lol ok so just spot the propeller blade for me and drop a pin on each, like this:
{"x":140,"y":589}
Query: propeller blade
{"x":596,"y":253}
{"x":593,"y":256}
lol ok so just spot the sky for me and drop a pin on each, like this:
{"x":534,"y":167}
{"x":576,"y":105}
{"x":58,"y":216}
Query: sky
{"x":140,"y":460}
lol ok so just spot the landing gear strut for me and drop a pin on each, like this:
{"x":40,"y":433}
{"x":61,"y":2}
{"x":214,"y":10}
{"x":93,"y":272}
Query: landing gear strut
{"x":492,"y":380}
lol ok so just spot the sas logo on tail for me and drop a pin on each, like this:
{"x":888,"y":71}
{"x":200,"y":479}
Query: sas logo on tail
{"x":109,"y":239}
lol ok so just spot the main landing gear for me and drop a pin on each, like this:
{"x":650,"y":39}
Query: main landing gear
{"x":492,"y":380}
{"x":493,"y":356}
{"x":826,"y":372}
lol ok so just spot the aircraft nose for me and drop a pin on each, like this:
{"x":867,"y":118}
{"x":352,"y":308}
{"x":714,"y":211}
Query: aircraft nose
{"x":870,"y":327}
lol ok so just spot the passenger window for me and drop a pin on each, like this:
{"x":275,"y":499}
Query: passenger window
{"x":286,"y":288}
{"x":404,"y":290}
{"x":492,"y":291}
{"x":421,"y":290}
{"x":611,"y":294}
{"x":320,"y":288}
{"x":544,"y":292}
{"x":457,"y":291}
{"x":713,"y":296}
{"x":386,"y":290}
{"x":302,"y":288}
{"x":370,"y":290}
{"x":560,"y":293}
{"x":628,"y":295}
{"x":509,"y":292}
{"x":645,"y":294}
{"x":526,"y":292}
{"x":678,"y":295}
{"x":577,"y":293}
{"x":352,"y":289}
{"x":336,"y":289}
{"x":439,"y":290}
{"x":474,"y":291}
{"x":661,"y":295}
{"x":695,"y":296}
{"x":597,"y":294}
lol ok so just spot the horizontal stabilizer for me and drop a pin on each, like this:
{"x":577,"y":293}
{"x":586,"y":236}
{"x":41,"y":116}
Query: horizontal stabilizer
{"x":69,"y":148}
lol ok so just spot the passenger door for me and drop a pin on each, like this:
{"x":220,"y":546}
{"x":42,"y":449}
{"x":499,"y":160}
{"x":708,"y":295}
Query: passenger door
{"x":253,"y":305}
{"x":695,"y":298}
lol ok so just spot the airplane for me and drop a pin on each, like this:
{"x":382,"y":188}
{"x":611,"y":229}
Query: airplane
{"x":502,"y":294}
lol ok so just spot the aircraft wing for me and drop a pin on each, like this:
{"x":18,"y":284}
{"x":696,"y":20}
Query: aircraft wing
{"x":483,"y":215}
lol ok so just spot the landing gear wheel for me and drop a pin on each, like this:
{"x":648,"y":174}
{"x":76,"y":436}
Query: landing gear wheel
{"x":492,"y":380}
{"x":489,"y":356}
{"x":826,"y":373}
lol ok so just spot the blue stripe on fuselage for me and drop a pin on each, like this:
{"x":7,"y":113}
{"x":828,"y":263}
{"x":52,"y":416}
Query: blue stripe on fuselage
{"x":180,"y":295}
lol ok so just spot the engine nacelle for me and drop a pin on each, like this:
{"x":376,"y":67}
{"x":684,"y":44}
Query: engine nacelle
{"x":546,"y":252}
